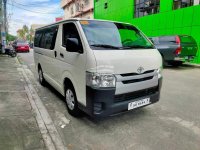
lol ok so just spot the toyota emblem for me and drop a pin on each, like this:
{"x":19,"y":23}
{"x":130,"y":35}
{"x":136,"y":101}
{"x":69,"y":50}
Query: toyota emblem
{"x":140,"y":70}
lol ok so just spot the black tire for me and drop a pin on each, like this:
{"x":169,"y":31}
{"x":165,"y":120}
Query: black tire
{"x":176,"y":63}
{"x":72,"y":105}
{"x":13,"y":54}
{"x":41,"y":77}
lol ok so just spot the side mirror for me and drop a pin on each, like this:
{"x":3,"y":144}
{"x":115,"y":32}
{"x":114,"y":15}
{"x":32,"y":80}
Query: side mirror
{"x":73,"y":45}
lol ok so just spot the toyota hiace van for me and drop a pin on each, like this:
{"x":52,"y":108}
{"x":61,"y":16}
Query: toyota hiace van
{"x":100,"y":67}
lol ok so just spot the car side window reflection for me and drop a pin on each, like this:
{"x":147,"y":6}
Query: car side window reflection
{"x":70,"y":31}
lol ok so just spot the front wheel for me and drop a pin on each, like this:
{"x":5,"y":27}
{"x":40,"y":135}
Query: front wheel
{"x":71,"y":101}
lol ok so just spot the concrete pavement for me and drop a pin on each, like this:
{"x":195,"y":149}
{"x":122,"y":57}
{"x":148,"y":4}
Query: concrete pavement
{"x":24,"y":121}
{"x":171,"y":124}
{"x":18,"y":126}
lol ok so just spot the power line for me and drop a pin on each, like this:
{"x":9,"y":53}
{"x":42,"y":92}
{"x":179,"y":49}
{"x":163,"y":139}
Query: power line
{"x":29,"y":5}
{"x":31,"y":10}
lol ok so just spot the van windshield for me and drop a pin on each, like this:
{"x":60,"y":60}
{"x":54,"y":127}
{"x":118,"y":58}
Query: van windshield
{"x":110,"y":35}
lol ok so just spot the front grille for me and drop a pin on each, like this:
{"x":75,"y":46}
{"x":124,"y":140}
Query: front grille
{"x":134,"y":74}
{"x":134,"y":95}
{"x":137,"y":80}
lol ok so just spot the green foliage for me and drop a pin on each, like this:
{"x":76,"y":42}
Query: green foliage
{"x":10,"y":37}
{"x":25,"y":33}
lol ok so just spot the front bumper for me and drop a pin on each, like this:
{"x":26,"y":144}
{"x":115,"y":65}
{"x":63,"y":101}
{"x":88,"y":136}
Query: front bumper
{"x":22,"y":50}
{"x":103,"y":102}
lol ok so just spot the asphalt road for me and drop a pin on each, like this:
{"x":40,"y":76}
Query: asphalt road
{"x":171,"y":124}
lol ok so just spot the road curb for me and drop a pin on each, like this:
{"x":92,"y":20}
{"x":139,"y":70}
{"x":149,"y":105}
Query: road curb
{"x":49,"y":132}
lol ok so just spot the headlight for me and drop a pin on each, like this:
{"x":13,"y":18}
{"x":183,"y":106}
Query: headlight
{"x":159,"y":72}
{"x":98,"y":80}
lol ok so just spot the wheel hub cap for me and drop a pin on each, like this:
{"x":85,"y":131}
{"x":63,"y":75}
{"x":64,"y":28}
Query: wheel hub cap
{"x":70,"y":99}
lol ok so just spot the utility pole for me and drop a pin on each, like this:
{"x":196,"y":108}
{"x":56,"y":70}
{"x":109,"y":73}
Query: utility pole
{"x":5,"y":14}
{"x":1,"y":22}
{"x":3,"y":26}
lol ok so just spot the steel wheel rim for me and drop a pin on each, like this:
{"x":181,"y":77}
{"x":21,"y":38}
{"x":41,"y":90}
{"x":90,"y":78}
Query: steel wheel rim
{"x":70,"y":99}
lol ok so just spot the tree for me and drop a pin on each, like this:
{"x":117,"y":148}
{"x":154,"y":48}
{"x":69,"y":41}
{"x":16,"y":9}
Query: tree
{"x":10,"y":37}
{"x":25,"y":28}
{"x":21,"y":34}
{"x":25,"y":33}
{"x":31,"y":33}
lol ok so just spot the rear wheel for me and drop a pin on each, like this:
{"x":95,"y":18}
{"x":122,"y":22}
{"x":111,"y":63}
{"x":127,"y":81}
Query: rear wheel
{"x":13,"y":54}
{"x":71,"y":101}
{"x":41,"y":77}
{"x":176,"y":63}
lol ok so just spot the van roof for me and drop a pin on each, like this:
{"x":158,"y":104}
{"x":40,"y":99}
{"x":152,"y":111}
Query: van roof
{"x":76,"y":19}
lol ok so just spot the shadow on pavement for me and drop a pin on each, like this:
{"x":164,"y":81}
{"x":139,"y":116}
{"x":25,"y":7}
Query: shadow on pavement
{"x":181,"y":67}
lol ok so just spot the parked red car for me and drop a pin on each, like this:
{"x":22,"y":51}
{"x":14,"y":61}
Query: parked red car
{"x":21,"y":46}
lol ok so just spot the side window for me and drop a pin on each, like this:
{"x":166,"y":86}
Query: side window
{"x":184,"y":3}
{"x":43,"y":40}
{"x":146,"y":7}
{"x":166,"y":39}
{"x":51,"y":38}
{"x":70,"y":31}
{"x":48,"y":38}
{"x":37,"y":39}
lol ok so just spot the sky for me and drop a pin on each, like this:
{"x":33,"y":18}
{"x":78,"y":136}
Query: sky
{"x":27,"y":12}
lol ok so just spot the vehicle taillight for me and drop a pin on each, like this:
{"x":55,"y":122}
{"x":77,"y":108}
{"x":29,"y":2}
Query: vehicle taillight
{"x":178,"y":41}
{"x":178,"y":50}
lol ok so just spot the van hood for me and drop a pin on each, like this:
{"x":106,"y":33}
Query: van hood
{"x":127,"y":61}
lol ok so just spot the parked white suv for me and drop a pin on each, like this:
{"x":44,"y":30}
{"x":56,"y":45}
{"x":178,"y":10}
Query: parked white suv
{"x":101,"y":67}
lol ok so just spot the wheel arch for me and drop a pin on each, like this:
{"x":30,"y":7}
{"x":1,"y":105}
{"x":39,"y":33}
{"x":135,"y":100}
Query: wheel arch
{"x":67,"y":82}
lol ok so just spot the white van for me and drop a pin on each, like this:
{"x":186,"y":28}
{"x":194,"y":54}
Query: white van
{"x":101,"y":67}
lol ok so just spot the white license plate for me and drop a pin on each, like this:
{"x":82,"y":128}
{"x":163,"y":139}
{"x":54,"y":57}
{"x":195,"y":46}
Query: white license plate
{"x":22,"y":47}
{"x":139,"y":103}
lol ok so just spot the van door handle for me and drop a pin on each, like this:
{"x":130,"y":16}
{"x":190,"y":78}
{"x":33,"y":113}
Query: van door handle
{"x":61,"y":55}
{"x":55,"y":53}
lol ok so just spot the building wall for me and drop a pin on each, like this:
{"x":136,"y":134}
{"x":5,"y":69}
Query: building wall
{"x":167,"y":22}
{"x":85,"y":9}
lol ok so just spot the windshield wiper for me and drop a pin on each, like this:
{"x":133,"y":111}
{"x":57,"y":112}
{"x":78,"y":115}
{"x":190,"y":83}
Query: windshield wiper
{"x":106,"y":46}
{"x":138,"y":46}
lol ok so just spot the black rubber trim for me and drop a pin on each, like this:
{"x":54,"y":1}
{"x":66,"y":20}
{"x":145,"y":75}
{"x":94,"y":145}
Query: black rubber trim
{"x":133,"y":74}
